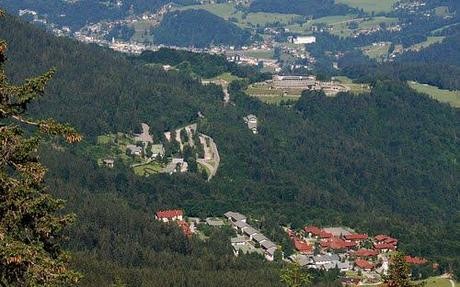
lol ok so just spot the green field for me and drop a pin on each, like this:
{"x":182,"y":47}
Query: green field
{"x":355,"y":88}
{"x":444,"y":96}
{"x":377,"y":52}
{"x":226,"y":77}
{"x":228,"y":11}
{"x":260,"y":54}
{"x":223,"y":10}
{"x":147,"y":169}
{"x":369,"y":6}
{"x":430,"y":41}
{"x":342,"y":29}
{"x":437,"y":282}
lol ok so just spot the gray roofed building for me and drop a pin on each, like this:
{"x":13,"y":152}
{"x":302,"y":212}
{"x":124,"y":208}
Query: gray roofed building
{"x":240,"y":240}
{"x":323,"y":259}
{"x":338,"y":231}
{"x":240,"y":224}
{"x":249,"y":231}
{"x":235,"y":216}
{"x":213,"y":221}
{"x":259,"y":238}
{"x":267,"y":244}
{"x":301,"y":259}
{"x":134,"y":149}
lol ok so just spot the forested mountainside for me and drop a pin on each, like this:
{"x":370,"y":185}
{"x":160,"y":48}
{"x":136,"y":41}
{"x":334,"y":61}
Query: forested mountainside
{"x":384,"y":162}
{"x":436,"y":65}
{"x":76,"y":14}
{"x":315,"y":8}
{"x":198,"y":28}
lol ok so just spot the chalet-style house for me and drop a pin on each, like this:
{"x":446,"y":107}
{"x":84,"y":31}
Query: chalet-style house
{"x":169,"y":215}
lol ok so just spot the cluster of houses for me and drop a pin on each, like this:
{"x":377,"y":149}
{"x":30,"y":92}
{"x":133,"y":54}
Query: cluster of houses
{"x":249,"y":239}
{"x":342,"y":248}
{"x":316,"y":248}
{"x":251,"y":122}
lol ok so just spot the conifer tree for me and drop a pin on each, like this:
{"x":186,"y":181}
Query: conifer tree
{"x":399,"y":272}
{"x":30,"y":227}
{"x":293,"y":275}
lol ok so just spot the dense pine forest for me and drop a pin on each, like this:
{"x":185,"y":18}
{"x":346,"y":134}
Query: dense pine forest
{"x":387,"y":161}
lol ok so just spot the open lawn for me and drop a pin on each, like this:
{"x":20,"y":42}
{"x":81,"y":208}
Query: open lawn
{"x":444,"y":96}
{"x":437,"y":282}
{"x":147,"y":169}
{"x":369,"y":6}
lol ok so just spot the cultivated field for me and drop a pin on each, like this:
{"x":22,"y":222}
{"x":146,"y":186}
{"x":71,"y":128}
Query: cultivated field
{"x":377,"y":6}
{"x":430,"y":41}
{"x":444,"y":96}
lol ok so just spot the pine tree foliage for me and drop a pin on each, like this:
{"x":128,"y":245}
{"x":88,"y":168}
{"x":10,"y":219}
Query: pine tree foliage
{"x":30,"y":228}
{"x":293,"y":275}
{"x":399,"y":274}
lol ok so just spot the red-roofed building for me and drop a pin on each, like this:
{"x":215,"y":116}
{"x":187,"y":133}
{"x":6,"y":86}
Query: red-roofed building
{"x":384,"y":247}
{"x":312,"y":231}
{"x":381,"y":237}
{"x":356,"y":237}
{"x":185,"y":228}
{"x":364,"y":264}
{"x":391,"y":240}
{"x":169,"y":215}
{"x":415,"y":260}
{"x":337,"y":244}
{"x":324,"y":234}
{"x":302,"y":246}
{"x":366,"y":253}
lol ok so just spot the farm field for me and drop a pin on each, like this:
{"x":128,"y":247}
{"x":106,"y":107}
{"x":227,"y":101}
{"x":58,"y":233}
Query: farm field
{"x":369,"y":6}
{"x":226,"y":77}
{"x":444,"y":96}
{"x":223,"y":10}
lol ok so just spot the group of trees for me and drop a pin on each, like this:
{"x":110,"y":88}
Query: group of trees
{"x":199,"y":28}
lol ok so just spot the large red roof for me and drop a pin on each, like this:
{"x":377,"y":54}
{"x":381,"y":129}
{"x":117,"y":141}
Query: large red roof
{"x":356,"y":236}
{"x":337,"y":243}
{"x":313,"y":230}
{"x":302,"y":246}
{"x":381,"y":237}
{"x":169,"y":213}
{"x":415,"y":260}
{"x":325,"y":234}
{"x":364,"y":264}
{"x":366,"y":253}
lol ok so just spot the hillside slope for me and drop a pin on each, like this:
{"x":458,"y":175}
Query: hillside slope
{"x":387,"y":162}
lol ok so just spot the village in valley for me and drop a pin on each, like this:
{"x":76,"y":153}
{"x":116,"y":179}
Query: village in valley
{"x":361,"y":259}
{"x":181,"y":150}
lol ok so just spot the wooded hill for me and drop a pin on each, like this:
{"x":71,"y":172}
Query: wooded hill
{"x":385,"y":162}
{"x":199,"y":28}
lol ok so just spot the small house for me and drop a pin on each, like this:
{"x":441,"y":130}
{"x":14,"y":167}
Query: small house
{"x":169,"y":215}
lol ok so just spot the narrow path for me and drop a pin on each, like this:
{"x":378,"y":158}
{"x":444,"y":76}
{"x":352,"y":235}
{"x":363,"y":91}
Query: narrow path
{"x":452,"y":282}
